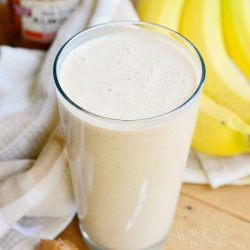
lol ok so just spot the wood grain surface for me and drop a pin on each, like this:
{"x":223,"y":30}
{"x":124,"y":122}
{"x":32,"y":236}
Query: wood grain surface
{"x":205,"y":219}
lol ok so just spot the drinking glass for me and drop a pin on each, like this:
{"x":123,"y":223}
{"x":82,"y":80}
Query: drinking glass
{"x":126,"y":174}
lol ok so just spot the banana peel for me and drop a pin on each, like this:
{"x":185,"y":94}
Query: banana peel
{"x":219,"y":131}
{"x":163,"y":12}
{"x":201,"y":23}
{"x":236,"y":27}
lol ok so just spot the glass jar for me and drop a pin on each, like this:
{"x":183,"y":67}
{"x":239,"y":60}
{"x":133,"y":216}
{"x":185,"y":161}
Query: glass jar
{"x":3,"y":22}
{"x":34,"y":23}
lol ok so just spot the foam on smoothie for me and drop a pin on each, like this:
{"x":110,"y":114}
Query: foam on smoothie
{"x":129,"y":75}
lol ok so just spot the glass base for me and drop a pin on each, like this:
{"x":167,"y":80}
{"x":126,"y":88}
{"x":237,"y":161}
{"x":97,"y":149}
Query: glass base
{"x":94,"y":246}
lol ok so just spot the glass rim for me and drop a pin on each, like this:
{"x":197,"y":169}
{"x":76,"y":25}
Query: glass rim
{"x":133,"y":121}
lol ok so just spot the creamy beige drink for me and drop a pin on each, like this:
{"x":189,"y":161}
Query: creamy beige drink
{"x":127,"y":147}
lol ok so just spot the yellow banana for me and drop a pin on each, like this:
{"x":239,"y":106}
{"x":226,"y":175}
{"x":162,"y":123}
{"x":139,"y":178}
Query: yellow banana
{"x":163,"y":12}
{"x":236,"y":27}
{"x":219,"y":131}
{"x":201,"y":23}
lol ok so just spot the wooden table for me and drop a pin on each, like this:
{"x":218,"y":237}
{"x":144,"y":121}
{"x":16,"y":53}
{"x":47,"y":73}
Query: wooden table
{"x":205,"y":219}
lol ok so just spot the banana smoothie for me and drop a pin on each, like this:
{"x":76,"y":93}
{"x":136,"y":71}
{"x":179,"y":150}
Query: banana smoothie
{"x":128,"y":107}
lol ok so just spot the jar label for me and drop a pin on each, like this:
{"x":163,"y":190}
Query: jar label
{"x":41,"y":19}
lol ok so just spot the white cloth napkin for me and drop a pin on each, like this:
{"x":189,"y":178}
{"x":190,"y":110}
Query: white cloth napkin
{"x":217,"y":171}
{"x":35,"y":191}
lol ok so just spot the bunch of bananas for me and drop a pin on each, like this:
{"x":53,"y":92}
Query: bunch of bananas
{"x":221,"y":31}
